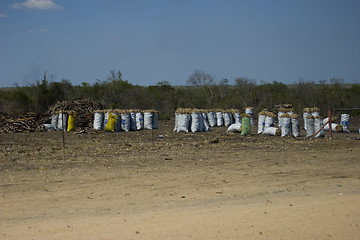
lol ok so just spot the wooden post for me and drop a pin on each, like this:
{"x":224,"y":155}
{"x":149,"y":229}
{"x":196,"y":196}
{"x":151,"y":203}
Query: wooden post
{"x":330,"y":124}
{"x":63,"y":129}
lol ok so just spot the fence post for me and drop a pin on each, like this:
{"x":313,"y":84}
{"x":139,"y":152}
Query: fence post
{"x":330,"y":123}
{"x":63,"y":128}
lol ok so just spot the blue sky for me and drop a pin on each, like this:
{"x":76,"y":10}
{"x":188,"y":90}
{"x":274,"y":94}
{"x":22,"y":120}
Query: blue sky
{"x":164,"y":40}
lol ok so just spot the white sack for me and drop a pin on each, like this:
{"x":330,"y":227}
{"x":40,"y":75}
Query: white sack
{"x":48,"y":126}
{"x":269,"y":122}
{"x":54,"y":121}
{"x":106,"y":118}
{"x":176,"y":122}
{"x":345,"y":122}
{"x":270,"y":131}
{"x":62,"y":121}
{"x":212,"y":119}
{"x":250,"y":111}
{"x":285,"y":126}
{"x":219,"y":119}
{"x":139,"y":121}
{"x":334,"y":126}
{"x":206,"y":122}
{"x":237,"y":117}
{"x":261,"y":123}
{"x":295,"y":127}
{"x":310,"y":129}
{"x":325,"y":121}
{"x":183,"y":122}
{"x":125,"y":121}
{"x":315,"y":114}
{"x":148,"y":120}
{"x":318,"y":123}
{"x":279,"y":114}
{"x":98,"y":120}
{"x":227,"y":119}
{"x":305,"y":115}
{"x":326,"y":128}
{"x":197,"y":122}
{"x":235,"y":127}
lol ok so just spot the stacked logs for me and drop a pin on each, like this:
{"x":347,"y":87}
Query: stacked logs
{"x":30,"y":122}
{"x":21,"y":122}
{"x":83,"y":108}
{"x":80,"y":106}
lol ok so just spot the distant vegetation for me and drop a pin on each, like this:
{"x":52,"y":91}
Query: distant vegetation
{"x":201,"y":91}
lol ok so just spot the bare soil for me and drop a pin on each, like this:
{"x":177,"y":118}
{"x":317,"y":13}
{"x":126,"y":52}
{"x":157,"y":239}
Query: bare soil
{"x":215,"y":185}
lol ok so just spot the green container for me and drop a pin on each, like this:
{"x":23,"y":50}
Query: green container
{"x":245,"y":126}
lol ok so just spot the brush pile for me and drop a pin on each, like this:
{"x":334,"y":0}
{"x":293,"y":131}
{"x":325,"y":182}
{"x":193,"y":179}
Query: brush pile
{"x":31,"y":122}
{"x":79,"y":106}
{"x":21,"y":122}
{"x":82,"y":108}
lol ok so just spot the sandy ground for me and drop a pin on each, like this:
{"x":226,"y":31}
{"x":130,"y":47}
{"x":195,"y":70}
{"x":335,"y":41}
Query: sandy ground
{"x":211,"y":185}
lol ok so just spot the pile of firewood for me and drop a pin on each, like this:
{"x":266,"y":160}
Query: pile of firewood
{"x":79,"y":106}
{"x":82,"y":108}
{"x":21,"y":122}
{"x":30,"y":122}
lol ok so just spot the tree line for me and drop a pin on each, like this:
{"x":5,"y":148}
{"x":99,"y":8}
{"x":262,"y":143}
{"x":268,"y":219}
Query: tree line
{"x":201,"y":91}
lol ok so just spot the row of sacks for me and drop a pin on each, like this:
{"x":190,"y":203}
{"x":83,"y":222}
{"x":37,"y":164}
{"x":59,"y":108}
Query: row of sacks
{"x":335,"y":127}
{"x":342,"y":127}
{"x":109,"y":120}
{"x":62,"y":121}
{"x":288,"y":124}
{"x":200,"y":120}
{"x":313,"y":111}
{"x":284,"y":110}
{"x":116,"y":120}
{"x":313,"y":125}
{"x":191,"y":120}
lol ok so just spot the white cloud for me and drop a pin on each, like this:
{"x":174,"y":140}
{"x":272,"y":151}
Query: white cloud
{"x":38,"y":5}
{"x":3,"y":15}
{"x":43,"y":30}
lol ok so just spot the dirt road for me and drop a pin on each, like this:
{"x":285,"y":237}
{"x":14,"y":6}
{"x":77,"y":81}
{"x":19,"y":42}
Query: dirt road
{"x":213,"y":185}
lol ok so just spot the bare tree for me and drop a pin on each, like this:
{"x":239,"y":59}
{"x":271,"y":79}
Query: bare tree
{"x":200,"y":78}
{"x":244,"y":87}
{"x":205,"y":82}
{"x":223,"y":89}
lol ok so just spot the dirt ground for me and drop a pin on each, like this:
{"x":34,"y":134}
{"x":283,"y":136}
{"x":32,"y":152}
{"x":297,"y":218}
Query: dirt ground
{"x":214,"y":185}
